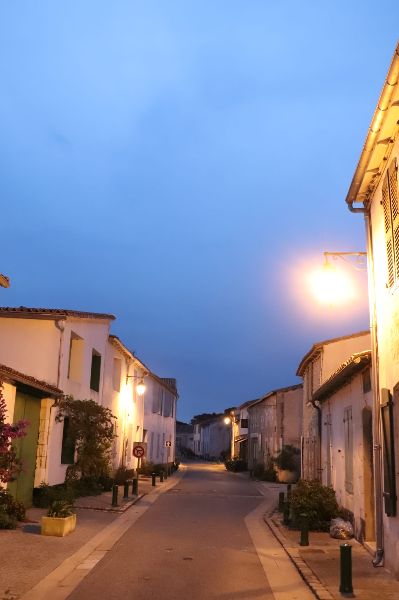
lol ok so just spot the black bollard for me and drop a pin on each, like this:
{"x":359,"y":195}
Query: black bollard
{"x":153,"y":482}
{"x":115,"y":495}
{"x":166,"y":474}
{"x":135,"y":487}
{"x":345,"y":585}
{"x":304,"y":541}
{"x":289,"y":487}
{"x":286,"y":513}
{"x":161,"y":477}
{"x":126,"y":490}
{"x":281,"y":502}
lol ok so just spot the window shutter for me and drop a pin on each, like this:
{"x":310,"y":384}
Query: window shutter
{"x":393,"y":193}
{"x":388,"y":231}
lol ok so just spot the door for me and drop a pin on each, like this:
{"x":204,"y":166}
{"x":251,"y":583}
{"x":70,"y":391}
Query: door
{"x":27,"y":407}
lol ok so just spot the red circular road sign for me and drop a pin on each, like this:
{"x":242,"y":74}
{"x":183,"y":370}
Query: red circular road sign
{"x":138,"y":451}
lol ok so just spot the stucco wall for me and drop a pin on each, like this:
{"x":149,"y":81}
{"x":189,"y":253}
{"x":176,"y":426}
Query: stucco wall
{"x":387,"y":309}
{"x":335,"y":353}
{"x":333,"y":447}
{"x":158,"y":427}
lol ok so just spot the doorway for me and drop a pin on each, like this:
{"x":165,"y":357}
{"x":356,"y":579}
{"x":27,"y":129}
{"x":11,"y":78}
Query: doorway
{"x":368,"y":474}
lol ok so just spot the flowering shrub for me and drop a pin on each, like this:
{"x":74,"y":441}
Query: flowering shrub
{"x":10,"y":465}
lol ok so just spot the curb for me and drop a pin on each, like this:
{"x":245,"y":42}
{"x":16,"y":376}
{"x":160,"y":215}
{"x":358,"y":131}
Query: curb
{"x":115,"y":509}
{"x":319,"y":590}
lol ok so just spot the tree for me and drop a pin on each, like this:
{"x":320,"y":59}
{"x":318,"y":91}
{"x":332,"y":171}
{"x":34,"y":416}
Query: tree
{"x":91,"y":430}
{"x":10,"y":465}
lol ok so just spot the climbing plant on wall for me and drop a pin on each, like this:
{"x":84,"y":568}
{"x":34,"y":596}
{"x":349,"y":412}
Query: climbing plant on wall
{"x":10,"y":465}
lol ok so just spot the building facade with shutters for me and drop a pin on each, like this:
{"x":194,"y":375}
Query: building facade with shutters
{"x":274,"y":421}
{"x":160,"y":403}
{"x":374,"y":193}
{"x":322,"y":360}
{"x":239,"y":431}
{"x":346,"y":458}
{"x":66,"y":349}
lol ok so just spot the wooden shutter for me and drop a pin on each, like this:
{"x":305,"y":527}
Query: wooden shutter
{"x":388,"y":449}
{"x":388,"y":231}
{"x":393,"y":193}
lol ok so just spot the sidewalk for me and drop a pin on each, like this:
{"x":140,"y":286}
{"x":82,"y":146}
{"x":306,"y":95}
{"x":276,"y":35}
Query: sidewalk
{"x":318,"y":564}
{"x":26,"y":557}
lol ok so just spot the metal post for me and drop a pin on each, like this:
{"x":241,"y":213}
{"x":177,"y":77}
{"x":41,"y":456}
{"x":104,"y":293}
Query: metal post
{"x":161,"y":477}
{"x":345,"y":585}
{"x":280,"y":501}
{"x":166,"y":473}
{"x":115,"y":495}
{"x":153,"y":482}
{"x":135,"y":488}
{"x":289,"y":489}
{"x":286,"y":513}
{"x":304,"y":541}
{"x":126,"y":489}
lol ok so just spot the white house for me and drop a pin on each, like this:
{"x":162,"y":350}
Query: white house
{"x":374,"y":193}
{"x":345,"y":404}
{"x":322,"y":360}
{"x":239,"y":431}
{"x":160,"y":400}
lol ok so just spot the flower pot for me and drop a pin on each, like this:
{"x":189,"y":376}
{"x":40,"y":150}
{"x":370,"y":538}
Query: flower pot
{"x":58,"y":526}
{"x":285,"y":476}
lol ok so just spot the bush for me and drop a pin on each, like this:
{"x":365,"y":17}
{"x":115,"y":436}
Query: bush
{"x":123,"y":474}
{"x":13,"y":508}
{"x":236,"y":465}
{"x":60,"y":509}
{"x":264,"y":473}
{"x":7,"y":521}
{"x":288,"y":458}
{"x":45,"y":494}
{"x":317,"y":501}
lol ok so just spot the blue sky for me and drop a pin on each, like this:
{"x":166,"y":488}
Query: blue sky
{"x":181,"y":164}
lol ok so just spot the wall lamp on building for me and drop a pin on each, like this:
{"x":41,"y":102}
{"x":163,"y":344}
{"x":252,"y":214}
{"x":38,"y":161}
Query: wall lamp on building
{"x":4,"y":281}
{"x":140,"y":387}
{"x":227,"y":420}
{"x":331,"y":285}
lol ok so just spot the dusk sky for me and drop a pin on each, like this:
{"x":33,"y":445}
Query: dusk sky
{"x":183,"y":165}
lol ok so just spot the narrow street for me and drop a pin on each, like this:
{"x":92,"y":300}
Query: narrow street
{"x":192,"y":543}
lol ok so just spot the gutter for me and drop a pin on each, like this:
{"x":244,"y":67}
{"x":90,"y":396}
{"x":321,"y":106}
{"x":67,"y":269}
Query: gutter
{"x":377,"y":122}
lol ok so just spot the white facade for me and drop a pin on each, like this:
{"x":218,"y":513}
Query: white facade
{"x":345,"y":402}
{"x":322,"y":360}
{"x":374,"y":192}
{"x":160,"y":419}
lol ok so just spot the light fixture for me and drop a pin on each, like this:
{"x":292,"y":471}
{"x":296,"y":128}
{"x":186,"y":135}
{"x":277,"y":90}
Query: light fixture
{"x":4,"y":281}
{"x":140,"y":387}
{"x":331,"y":285}
{"x":227,"y":420}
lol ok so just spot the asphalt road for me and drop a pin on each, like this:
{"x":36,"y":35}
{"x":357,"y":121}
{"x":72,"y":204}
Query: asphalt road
{"x":191,"y":544}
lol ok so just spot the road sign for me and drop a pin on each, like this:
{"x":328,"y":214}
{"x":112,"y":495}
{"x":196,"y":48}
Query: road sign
{"x":139,"y":449}
{"x":168,"y":444}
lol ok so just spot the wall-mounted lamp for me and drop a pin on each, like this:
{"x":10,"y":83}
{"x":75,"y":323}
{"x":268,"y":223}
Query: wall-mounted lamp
{"x":140,"y":387}
{"x":4,"y":281}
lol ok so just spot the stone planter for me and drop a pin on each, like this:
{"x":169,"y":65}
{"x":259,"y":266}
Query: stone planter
{"x":285,"y":476}
{"x":58,"y":526}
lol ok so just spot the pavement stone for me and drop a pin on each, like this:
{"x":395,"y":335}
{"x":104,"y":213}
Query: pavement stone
{"x":318,"y":564}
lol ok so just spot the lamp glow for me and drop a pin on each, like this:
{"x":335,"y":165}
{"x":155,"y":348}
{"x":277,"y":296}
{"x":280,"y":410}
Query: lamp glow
{"x":330,"y":285}
{"x":140,"y":388}
{"x":227,"y":420}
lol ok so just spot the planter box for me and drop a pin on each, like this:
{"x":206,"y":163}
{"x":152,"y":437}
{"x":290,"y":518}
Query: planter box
{"x":58,"y":526}
{"x":285,"y":476}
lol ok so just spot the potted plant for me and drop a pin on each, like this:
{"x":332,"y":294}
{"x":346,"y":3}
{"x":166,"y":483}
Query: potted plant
{"x":60,"y":519}
{"x":286,"y":464}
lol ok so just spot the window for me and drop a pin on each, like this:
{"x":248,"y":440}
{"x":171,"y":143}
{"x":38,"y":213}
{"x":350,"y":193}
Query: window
{"x":168,"y":405}
{"x":95,"y":371}
{"x":157,"y":400}
{"x":75,"y":365}
{"x":116,"y":377}
{"x":391,"y":221}
{"x":68,"y":445}
{"x":348,"y":449}
{"x":366,"y":378}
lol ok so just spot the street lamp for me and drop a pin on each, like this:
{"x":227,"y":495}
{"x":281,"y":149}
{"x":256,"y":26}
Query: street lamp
{"x":140,"y":387}
{"x":227,"y":420}
{"x":331,"y":285}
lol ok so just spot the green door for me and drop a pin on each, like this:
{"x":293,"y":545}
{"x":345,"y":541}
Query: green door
{"x":26,"y":407}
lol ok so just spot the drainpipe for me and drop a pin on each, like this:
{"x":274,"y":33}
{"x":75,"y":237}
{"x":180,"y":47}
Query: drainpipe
{"x":60,"y":324}
{"x":317,"y":406}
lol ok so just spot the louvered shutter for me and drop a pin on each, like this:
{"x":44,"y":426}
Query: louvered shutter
{"x":388,"y":231}
{"x":393,"y":193}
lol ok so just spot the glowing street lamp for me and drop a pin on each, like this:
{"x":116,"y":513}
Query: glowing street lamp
{"x":140,"y":387}
{"x":227,"y":420}
{"x":333,"y":286}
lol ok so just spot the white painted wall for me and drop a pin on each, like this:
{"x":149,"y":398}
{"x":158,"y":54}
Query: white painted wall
{"x":159,"y":428}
